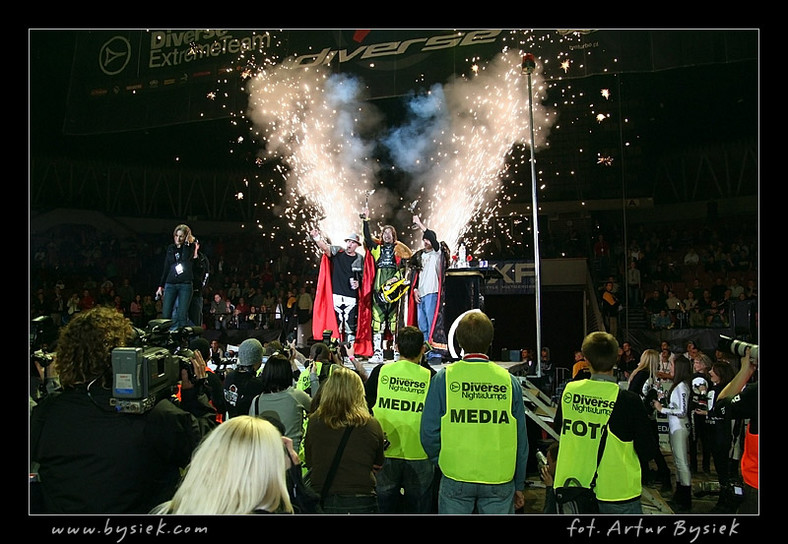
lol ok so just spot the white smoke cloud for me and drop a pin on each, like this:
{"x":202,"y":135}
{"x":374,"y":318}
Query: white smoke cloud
{"x":456,"y":139}
{"x":315,"y":123}
{"x":453,"y":145}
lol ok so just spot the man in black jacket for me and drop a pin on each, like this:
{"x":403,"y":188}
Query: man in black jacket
{"x":242,"y":384}
{"x":94,"y":457}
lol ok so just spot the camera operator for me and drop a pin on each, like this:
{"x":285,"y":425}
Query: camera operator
{"x":214,"y":382}
{"x":242,"y":384}
{"x":94,"y":459}
{"x":43,"y":379}
{"x":317,"y":368}
{"x":739,"y":399}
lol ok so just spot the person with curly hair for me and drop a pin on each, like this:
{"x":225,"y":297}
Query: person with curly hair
{"x":177,"y":278}
{"x":384,"y":283}
{"x":93,"y":457}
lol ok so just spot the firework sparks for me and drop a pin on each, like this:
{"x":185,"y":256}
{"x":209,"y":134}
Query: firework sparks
{"x":313,"y":123}
{"x":456,"y":142}
{"x":454,"y":145}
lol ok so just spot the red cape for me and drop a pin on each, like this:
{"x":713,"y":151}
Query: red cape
{"x":323,"y":314}
{"x":363,"y":344}
{"x":437,"y":334}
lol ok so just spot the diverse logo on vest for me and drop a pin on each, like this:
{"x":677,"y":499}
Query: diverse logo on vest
{"x":404,"y":384}
{"x":585,"y":403}
{"x":473,"y":390}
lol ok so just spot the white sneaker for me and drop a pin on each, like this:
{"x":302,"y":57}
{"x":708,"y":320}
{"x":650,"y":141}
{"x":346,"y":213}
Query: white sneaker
{"x":377,"y":357}
{"x":396,"y":355}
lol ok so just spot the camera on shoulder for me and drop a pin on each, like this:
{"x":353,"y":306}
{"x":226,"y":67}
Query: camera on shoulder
{"x":145,"y":373}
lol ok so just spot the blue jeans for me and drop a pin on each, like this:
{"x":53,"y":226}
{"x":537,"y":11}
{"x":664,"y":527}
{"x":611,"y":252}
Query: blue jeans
{"x":426,"y":312}
{"x":629,"y":507}
{"x":462,"y":497}
{"x":405,"y":486}
{"x":350,"y":504}
{"x":195,"y":309}
{"x":182,"y":293}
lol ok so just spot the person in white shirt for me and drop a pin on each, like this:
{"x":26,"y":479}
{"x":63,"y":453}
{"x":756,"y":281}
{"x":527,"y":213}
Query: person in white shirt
{"x":430,"y":265}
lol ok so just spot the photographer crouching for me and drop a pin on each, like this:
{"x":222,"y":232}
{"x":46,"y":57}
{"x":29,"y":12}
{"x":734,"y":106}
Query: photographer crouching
{"x":94,"y":458}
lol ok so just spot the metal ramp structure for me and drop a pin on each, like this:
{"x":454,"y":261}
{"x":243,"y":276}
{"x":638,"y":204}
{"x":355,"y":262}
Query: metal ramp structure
{"x":538,"y":406}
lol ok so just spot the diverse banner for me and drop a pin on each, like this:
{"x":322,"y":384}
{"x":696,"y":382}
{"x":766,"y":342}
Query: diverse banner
{"x":133,"y":79}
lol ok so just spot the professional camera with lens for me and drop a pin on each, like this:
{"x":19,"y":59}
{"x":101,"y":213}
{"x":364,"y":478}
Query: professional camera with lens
{"x":737,"y":347}
{"x":149,"y":371}
{"x":334,"y":345}
{"x":227,"y":362}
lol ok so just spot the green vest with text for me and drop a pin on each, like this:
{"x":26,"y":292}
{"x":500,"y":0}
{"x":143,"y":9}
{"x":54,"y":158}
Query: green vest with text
{"x":402,"y":388}
{"x":478,"y":430}
{"x":586,"y":406}
{"x":323,"y":371}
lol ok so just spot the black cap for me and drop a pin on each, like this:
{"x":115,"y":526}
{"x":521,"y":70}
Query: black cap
{"x":430,"y":235}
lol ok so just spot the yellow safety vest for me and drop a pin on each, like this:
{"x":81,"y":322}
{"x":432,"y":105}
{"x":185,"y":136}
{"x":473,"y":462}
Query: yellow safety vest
{"x":478,"y":430}
{"x":402,"y":389}
{"x":586,"y":406}
{"x":304,"y":382}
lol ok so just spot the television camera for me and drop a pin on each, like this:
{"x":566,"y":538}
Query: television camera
{"x":149,"y":371}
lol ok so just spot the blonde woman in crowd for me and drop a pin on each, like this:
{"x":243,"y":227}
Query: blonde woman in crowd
{"x":342,"y":408}
{"x":645,"y":383}
{"x":240,"y":468}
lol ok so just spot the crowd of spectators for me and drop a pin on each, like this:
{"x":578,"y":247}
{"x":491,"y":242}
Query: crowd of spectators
{"x":76,"y":267}
{"x":692,"y":273}
{"x":688,"y":277}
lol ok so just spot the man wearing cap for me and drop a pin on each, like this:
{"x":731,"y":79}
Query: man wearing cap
{"x":338,"y":281}
{"x":429,"y":267}
{"x":242,"y":384}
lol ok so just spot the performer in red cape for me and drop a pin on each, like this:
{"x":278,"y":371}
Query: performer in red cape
{"x":363,"y":345}
{"x":336,"y":296}
{"x":427,"y":295}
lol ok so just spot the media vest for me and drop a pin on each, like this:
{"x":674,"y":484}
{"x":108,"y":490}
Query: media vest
{"x":402,"y":388}
{"x":586,"y":406}
{"x":323,"y":370}
{"x":478,"y":430}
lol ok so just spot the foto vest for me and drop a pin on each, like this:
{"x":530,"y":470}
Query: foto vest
{"x":402,"y":389}
{"x":478,"y":430}
{"x":586,"y":406}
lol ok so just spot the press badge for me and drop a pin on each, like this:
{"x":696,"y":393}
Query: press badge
{"x":179,"y":268}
